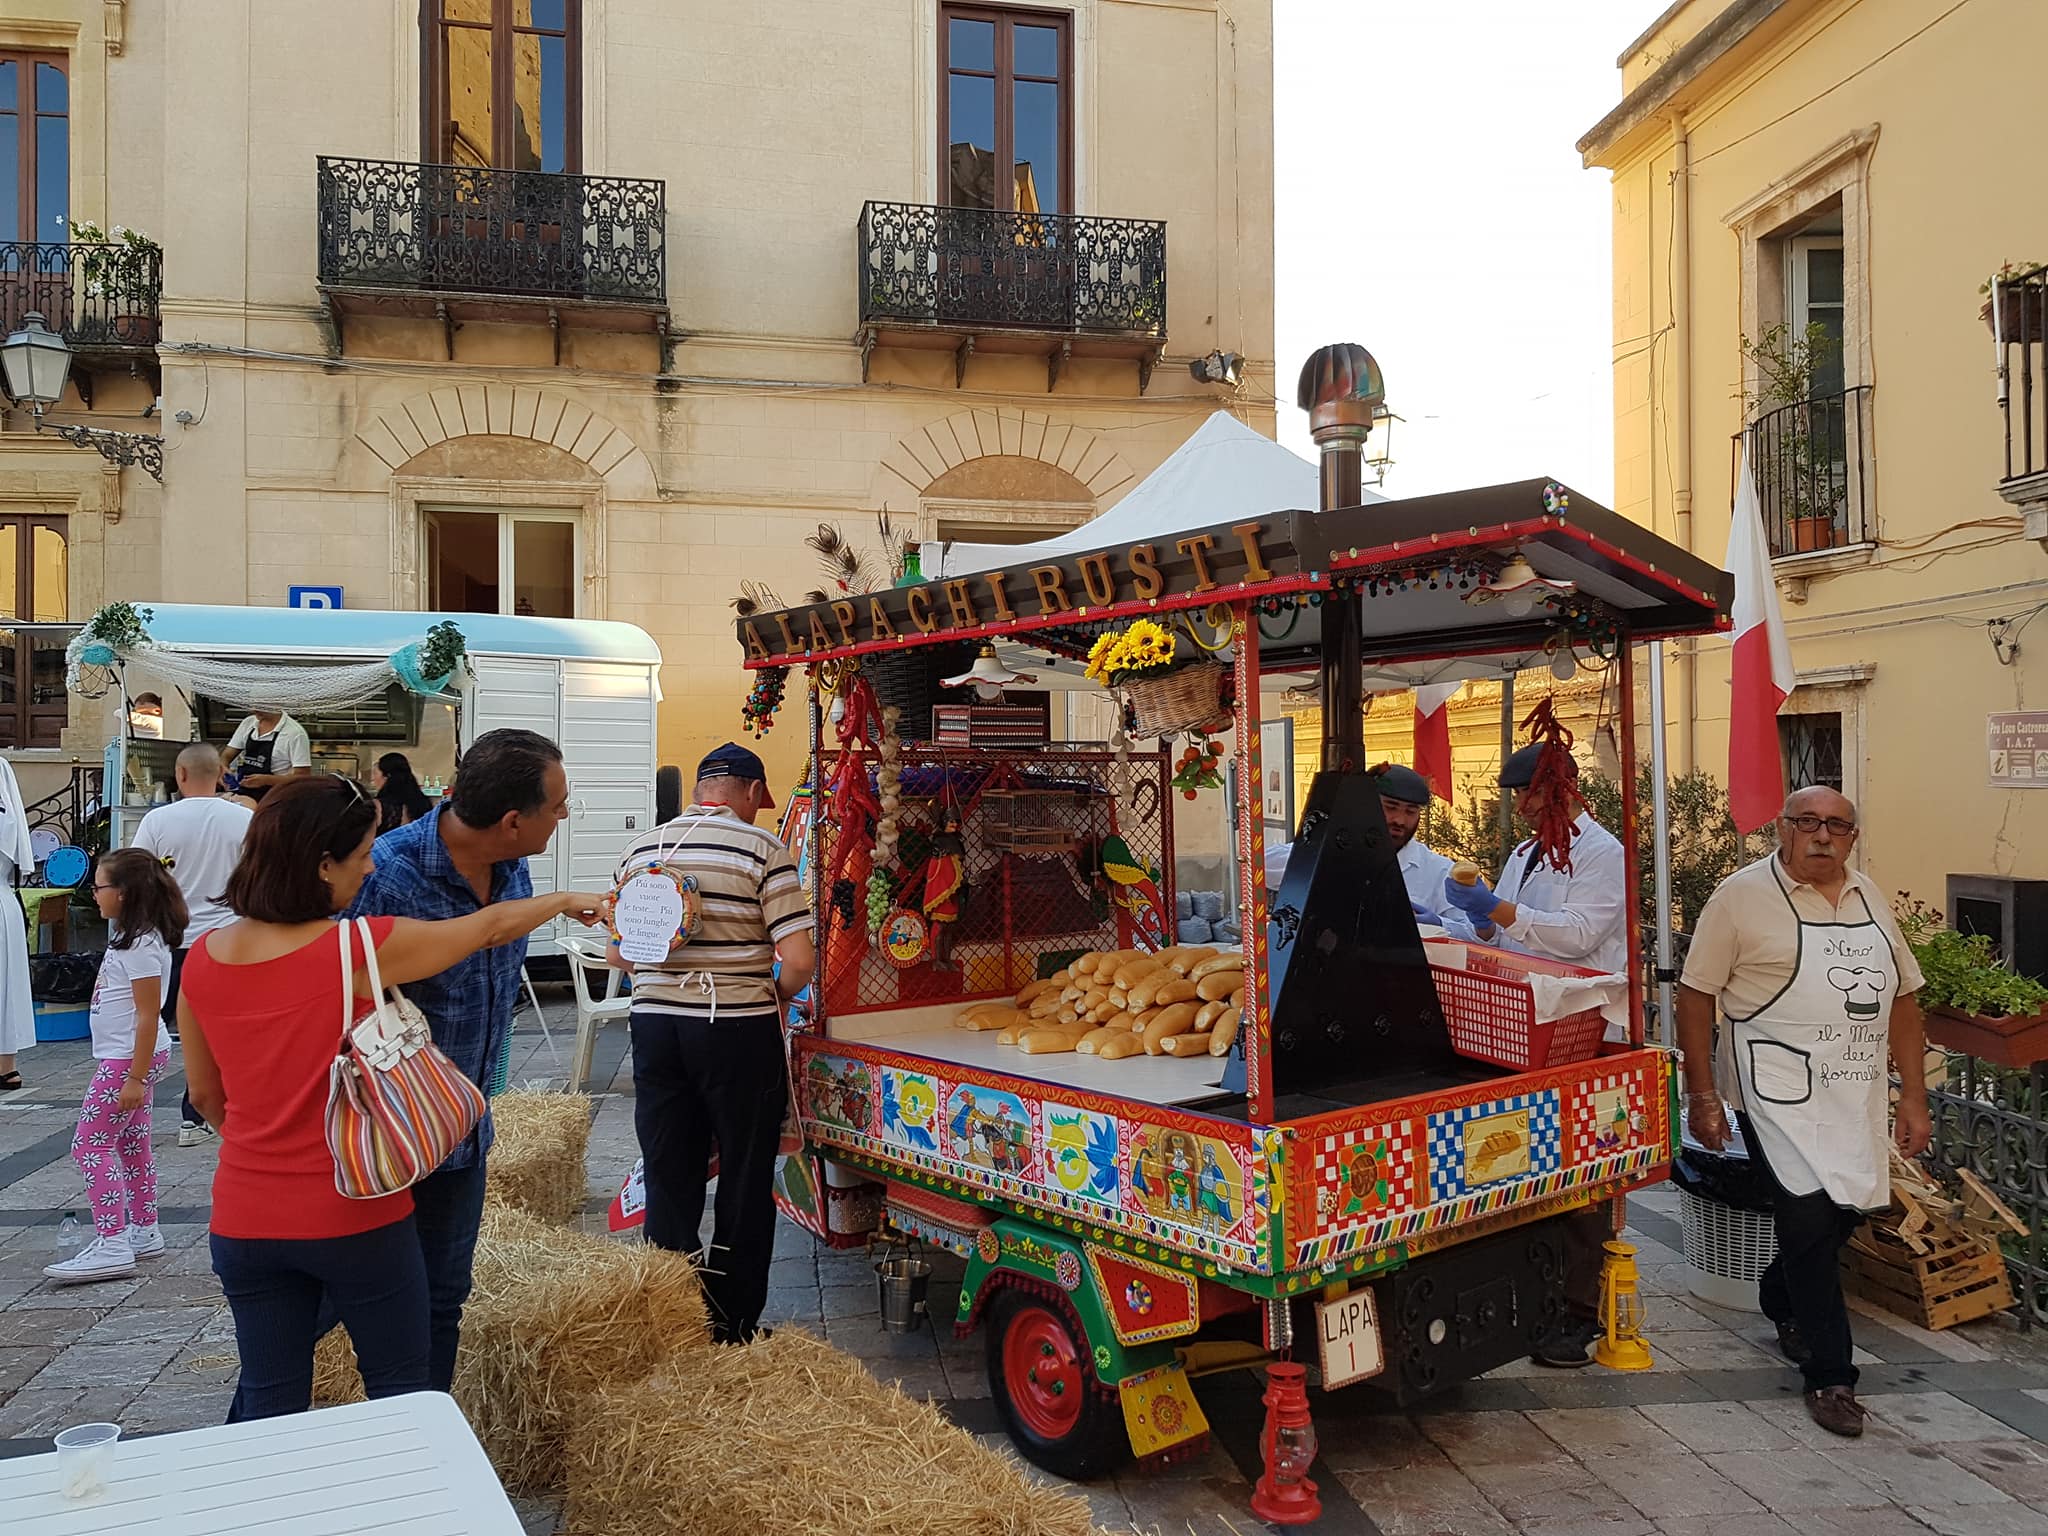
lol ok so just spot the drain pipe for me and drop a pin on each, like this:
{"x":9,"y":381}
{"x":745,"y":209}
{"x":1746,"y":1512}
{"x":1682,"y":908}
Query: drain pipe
{"x":1340,"y":385}
{"x":1681,"y":429}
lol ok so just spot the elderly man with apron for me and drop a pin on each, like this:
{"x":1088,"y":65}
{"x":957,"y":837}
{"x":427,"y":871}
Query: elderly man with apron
{"x":1814,"y":985}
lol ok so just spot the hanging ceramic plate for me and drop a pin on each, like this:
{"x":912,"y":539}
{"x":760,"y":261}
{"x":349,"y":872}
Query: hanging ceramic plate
{"x":66,"y":866}
{"x":42,"y":842}
{"x":906,"y":938}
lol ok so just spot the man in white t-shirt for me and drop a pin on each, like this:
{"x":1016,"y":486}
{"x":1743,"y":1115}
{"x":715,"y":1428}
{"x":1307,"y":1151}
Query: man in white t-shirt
{"x":199,"y":838}
{"x":266,"y":749}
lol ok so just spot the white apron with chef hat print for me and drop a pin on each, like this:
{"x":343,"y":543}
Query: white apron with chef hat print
{"x":1812,"y":1062}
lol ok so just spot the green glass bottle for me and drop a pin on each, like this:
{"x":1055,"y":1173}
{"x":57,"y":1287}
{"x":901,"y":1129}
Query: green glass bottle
{"x":913,"y":570}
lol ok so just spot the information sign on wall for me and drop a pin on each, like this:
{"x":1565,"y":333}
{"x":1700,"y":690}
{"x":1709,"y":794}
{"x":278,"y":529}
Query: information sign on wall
{"x":2018,"y":740}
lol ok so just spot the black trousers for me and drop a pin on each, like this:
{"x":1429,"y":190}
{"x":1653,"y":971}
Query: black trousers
{"x":187,"y":1115}
{"x":276,"y":1288}
{"x":1803,"y":1284}
{"x":696,"y":1085}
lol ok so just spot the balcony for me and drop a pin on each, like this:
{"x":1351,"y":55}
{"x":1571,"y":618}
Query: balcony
{"x":1813,"y":472}
{"x":457,"y":242}
{"x":969,"y":280}
{"x":102,"y":299}
{"x":2018,"y":317}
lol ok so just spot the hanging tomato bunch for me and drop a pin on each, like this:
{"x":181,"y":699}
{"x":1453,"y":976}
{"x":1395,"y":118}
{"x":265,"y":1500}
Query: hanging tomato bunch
{"x":1196,"y":768}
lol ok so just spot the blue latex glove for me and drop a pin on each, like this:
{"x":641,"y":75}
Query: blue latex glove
{"x":1475,"y":900}
{"x":1426,"y":914}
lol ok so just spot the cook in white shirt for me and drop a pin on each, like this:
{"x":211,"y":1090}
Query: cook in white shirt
{"x":1537,"y":909}
{"x":1404,"y":796}
{"x":269,"y":747}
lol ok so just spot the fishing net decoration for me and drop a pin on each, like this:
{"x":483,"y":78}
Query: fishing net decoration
{"x":118,"y":637}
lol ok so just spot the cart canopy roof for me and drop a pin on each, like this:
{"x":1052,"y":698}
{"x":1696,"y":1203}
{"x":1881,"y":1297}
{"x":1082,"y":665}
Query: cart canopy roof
{"x":1225,"y":473}
{"x":1421,"y":565}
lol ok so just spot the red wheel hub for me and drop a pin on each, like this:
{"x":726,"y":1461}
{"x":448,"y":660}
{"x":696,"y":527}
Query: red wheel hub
{"x":1044,"y":1373}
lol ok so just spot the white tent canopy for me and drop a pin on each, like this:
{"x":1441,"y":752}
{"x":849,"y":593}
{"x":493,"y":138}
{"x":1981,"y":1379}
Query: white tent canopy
{"x":1225,"y":473}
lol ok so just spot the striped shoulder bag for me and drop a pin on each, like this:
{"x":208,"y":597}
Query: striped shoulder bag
{"x":396,"y":1106}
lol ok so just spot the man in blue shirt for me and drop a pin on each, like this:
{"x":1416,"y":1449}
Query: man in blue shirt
{"x":511,"y":792}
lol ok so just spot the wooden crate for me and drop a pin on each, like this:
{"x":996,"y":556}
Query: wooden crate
{"x":1959,"y":1278}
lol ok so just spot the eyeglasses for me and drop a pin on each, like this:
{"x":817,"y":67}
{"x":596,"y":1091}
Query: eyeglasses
{"x":1834,"y":824}
{"x":354,"y":788}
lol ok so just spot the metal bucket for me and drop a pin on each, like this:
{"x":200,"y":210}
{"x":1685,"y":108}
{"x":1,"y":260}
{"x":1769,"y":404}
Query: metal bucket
{"x":901,"y":1284}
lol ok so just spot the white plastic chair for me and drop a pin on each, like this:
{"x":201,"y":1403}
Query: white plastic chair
{"x":587,"y":953}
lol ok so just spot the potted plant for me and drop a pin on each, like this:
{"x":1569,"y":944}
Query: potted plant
{"x":1165,"y":695}
{"x":2022,"y":308}
{"x":1798,"y":459}
{"x":120,"y":269}
{"x":1975,"y":1003}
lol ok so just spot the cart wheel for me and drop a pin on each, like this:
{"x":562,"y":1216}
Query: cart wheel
{"x":1045,"y":1390}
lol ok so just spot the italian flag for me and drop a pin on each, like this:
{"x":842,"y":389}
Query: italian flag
{"x":1433,"y":736}
{"x":1760,"y":678}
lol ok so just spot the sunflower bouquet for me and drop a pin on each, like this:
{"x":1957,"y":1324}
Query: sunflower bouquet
{"x":1143,"y":650}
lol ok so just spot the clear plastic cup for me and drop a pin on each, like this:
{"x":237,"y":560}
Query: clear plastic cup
{"x":85,"y":1452}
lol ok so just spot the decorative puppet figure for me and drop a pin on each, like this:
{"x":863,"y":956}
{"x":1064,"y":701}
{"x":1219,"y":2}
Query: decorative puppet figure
{"x":945,"y":888}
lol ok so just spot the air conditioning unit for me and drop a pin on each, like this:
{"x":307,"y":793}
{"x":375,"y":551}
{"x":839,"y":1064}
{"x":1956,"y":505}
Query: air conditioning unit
{"x":2012,"y":913}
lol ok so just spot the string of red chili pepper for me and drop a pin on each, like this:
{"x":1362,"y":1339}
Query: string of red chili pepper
{"x":1555,"y":786}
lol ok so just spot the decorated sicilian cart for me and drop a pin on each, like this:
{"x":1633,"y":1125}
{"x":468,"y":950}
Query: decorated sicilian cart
{"x":1332,"y":1143}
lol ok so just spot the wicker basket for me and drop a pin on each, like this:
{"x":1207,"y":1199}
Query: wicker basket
{"x":1181,"y":700}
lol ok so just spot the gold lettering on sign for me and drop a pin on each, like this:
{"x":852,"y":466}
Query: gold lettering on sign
{"x":842,"y":615}
{"x":1254,"y":559}
{"x":820,"y":641}
{"x":961,"y":600}
{"x":789,"y":645}
{"x":1099,"y":578}
{"x":1197,"y":549}
{"x":879,"y":627}
{"x":919,"y":602}
{"x":1052,"y":589}
{"x":756,"y":651}
{"x":1004,"y":612}
{"x":1144,"y":563}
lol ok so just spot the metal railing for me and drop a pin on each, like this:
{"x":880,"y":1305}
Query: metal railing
{"x":93,"y":295}
{"x":393,"y":224}
{"x":972,"y":267}
{"x":2018,"y":315}
{"x":1994,"y":1121}
{"x":1813,"y":472}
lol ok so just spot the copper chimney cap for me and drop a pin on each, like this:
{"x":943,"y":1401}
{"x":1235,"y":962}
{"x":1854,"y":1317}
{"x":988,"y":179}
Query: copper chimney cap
{"x":1340,"y":388}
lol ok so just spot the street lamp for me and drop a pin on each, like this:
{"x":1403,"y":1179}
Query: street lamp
{"x":37,"y":362}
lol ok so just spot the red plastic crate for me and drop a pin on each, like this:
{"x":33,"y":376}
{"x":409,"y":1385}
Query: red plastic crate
{"x":1492,"y":1011}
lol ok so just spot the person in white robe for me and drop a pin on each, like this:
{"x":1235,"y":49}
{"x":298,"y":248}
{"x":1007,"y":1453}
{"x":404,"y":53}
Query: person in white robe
{"x":17,"y":1007}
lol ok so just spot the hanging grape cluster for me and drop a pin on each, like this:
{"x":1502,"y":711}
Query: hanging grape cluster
{"x":881,"y":898}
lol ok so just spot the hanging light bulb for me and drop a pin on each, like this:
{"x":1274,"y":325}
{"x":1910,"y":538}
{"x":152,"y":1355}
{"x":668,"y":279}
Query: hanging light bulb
{"x":1519,"y":604}
{"x":1519,"y":589}
{"x":1564,"y":664}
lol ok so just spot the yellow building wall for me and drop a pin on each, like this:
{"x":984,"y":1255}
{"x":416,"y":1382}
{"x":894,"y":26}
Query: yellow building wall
{"x":769,"y":126}
{"x":1896,"y":639}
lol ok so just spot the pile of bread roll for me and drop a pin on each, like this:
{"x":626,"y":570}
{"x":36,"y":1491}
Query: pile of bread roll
{"x":1186,"y":1001}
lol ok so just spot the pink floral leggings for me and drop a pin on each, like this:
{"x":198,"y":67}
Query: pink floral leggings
{"x":112,"y":1150}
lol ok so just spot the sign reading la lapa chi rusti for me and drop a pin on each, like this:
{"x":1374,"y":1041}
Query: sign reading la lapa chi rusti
{"x":2018,"y":740}
{"x":1196,"y":566}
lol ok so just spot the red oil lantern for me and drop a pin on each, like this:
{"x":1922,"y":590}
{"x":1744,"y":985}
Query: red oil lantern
{"x":1285,"y":1494}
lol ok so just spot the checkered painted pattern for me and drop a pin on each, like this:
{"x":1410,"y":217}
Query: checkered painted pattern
{"x":1591,"y":1099}
{"x":1447,"y":1139}
{"x":1396,"y":1139}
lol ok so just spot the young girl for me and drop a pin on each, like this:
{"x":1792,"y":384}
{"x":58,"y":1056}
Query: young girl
{"x":145,"y":921}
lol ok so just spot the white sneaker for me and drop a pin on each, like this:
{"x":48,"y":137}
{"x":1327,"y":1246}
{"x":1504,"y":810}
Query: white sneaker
{"x":104,"y":1258}
{"x":145,"y":1242}
{"x":193,"y":1133}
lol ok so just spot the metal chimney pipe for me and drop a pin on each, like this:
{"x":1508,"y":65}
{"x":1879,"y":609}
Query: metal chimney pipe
{"x":1340,"y":388}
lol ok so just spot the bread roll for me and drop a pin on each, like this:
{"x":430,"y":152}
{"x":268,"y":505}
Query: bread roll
{"x":1119,"y":1047}
{"x":1229,"y":961}
{"x":1188,"y":959}
{"x":1047,"y":1042}
{"x":1175,"y":991}
{"x":1088,"y":1043}
{"x":1178,"y":1019}
{"x":1185,"y":1045}
{"x":1224,"y":1033}
{"x":1219,"y":984}
{"x":1465,"y":872}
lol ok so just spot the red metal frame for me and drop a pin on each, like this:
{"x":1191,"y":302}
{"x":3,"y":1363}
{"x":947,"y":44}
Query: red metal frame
{"x":1632,"y":875}
{"x":1255,"y":1022}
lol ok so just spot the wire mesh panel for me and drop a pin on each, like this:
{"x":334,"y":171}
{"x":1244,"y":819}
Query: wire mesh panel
{"x":1491,"y":1010}
{"x":1063,"y":850}
{"x":1993,"y":1121}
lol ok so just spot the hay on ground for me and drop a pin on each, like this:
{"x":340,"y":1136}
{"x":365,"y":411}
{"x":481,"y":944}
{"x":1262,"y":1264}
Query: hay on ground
{"x":555,"y":1315}
{"x":537,"y":1163}
{"x":788,"y":1434}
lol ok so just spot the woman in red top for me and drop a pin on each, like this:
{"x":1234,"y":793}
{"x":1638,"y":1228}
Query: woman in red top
{"x":260,"y":1016}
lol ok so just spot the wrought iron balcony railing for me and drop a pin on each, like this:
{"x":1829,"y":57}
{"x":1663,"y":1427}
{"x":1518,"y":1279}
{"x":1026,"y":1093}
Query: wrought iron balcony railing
{"x":2018,"y":315}
{"x":968,"y":268}
{"x":94,"y":296}
{"x":1812,"y":465}
{"x":391,"y":224}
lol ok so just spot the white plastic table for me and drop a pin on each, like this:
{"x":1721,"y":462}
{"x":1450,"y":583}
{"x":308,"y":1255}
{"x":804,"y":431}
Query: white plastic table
{"x":405,"y":1466}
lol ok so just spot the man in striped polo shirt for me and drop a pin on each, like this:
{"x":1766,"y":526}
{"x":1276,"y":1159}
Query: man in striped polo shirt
{"x":707,"y":1034}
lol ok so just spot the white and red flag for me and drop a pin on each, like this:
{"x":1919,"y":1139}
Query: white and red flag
{"x":1433,"y":736}
{"x":1760,"y":677}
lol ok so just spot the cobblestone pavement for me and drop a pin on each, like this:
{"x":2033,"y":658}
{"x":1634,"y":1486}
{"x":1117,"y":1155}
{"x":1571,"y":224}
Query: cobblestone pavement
{"x":1713,"y":1440}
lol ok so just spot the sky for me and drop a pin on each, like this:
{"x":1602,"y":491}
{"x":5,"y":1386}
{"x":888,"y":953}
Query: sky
{"x":1431,"y":207}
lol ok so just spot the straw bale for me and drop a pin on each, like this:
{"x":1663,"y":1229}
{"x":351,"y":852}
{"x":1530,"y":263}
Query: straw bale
{"x":555,"y":1315}
{"x":789,"y":1435}
{"x":537,"y":1162}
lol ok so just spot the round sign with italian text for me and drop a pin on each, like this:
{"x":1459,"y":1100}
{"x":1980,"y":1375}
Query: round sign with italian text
{"x":654,"y":913}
